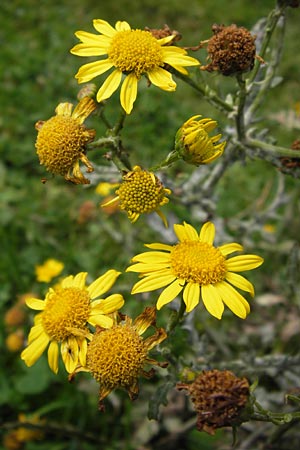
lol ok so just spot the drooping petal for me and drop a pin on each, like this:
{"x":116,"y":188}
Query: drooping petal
{"x":109,"y":86}
{"x":191,"y":296}
{"x":240,"y":282}
{"x":35,"y":303}
{"x":129,"y":92}
{"x":104,"y":27}
{"x":92,"y":70}
{"x":207,"y":233}
{"x":233,"y":299}
{"x":226,"y":249}
{"x":64,"y":109}
{"x":82,"y":345}
{"x":35,"y":349}
{"x":69,"y":353}
{"x":145,"y":320}
{"x":243,"y":262}
{"x":163,"y":79}
{"x":53,"y":356}
{"x":103,"y":283}
{"x":170,"y":293}
{"x":108,"y":305}
{"x":152,"y":282}
{"x":186,"y":232}
{"x":212,"y":300}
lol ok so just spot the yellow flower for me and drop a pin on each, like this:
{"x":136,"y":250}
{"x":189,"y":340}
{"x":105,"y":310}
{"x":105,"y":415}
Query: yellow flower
{"x":116,"y":357}
{"x":61,"y":140}
{"x":194,"y":144}
{"x":132,"y":53}
{"x":197,"y":268}
{"x":141,"y":192}
{"x":64,"y":318}
{"x":105,"y":188}
{"x":50,"y":269}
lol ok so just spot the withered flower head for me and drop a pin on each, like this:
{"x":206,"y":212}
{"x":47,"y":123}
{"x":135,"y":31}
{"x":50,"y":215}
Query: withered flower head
{"x":218,"y":398}
{"x":231,"y":50}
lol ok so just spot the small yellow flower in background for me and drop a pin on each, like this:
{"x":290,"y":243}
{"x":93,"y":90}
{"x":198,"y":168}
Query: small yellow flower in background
{"x":193,"y":143}
{"x":16,"y":439}
{"x":141,"y":192}
{"x":197,"y":268}
{"x":49,"y":270}
{"x":116,"y":357}
{"x":64,"y":318}
{"x":219,"y":397}
{"x":14,"y":341}
{"x":105,"y":188}
{"x":132,"y":53}
{"x":61,"y":140}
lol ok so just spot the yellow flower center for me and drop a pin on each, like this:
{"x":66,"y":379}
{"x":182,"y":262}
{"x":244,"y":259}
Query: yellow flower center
{"x":116,"y":356}
{"x":135,"y":51}
{"x":198,"y":262}
{"x":141,"y":192}
{"x":66,"y":309}
{"x":60,"y":143}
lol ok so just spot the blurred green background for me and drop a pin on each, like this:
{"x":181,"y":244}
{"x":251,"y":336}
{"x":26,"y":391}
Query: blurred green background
{"x":40,"y":221}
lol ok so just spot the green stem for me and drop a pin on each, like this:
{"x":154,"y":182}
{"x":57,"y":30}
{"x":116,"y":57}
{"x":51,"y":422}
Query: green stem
{"x":176,"y":317}
{"x":274,"y":149}
{"x":240,"y":123}
{"x":172,"y":157}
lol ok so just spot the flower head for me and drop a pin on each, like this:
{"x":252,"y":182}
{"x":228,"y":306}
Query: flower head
{"x":50,"y":269}
{"x":141,"y":192}
{"x":64,"y":318}
{"x":194,"y":144}
{"x":132,"y":53}
{"x":61,"y":140}
{"x":197,"y":268}
{"x":116,"y":357}
{"x":231,"y":50}
{"x":218,"y":397}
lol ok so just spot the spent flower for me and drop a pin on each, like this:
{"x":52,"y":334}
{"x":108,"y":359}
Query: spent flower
{"x":139,"y":193}
{"x":197,"y":268}
{"x":219,"y":397}
{"x":61,"y":140}
{"x":131,"y":53}
{"x":116,"y":357}
{"x":65,"y":315}
{"x":194,"y":144}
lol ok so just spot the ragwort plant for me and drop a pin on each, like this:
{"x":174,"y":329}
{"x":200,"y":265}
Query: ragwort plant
{"x":177,"y":277}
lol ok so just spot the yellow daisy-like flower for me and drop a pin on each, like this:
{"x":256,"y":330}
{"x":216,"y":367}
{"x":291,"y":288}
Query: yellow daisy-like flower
{"x":197,"y":268}
{"x":61,"y":140}
{"x":64,"y":318}
{"x":194,"y":144}
{"x":116,"y":357}
{"x":132,"y":53}
{"x":141,"y":192}
{"x":50,"y":269}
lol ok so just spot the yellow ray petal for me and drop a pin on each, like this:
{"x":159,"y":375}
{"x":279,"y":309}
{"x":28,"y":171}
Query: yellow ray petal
{"x":186,"y":232}
{"x":191,"y":296}
{"x":207,"y":233}
{"x":170,"y":293}
{"x":110,"y":85}
{"x":212,"y":300}
{"x":92,"y":70}
{"x":240,"y":282}
{"x":122,"y":26}
{"x":147,"y":267}
{"x":35,"y":303}
{"x":243,"y":262}
{"x":129,"y":92}
{"x":104,"y":27}
{"x":82,"y":345}
{"x":79,"y":280}
{"x":67,"y":282}
{"x":35,"y":332}
{"x":93,"y":39}
{"x":101,"y":320}
{"x":178,"y":59}
{"x":107,"y":305}
{"x":152,"y":282}
{"x":88,"y":50}
{"x":69,"y":353}
{"x":159,"y":246}
{"x":163,"y":79}
{"x":53,"y":356}
{"x":233,"y":299}
{"x":103,"y":283}
{"x":226,"y":249}
{"x":152,"y":257}
{"x":34,"y":350}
